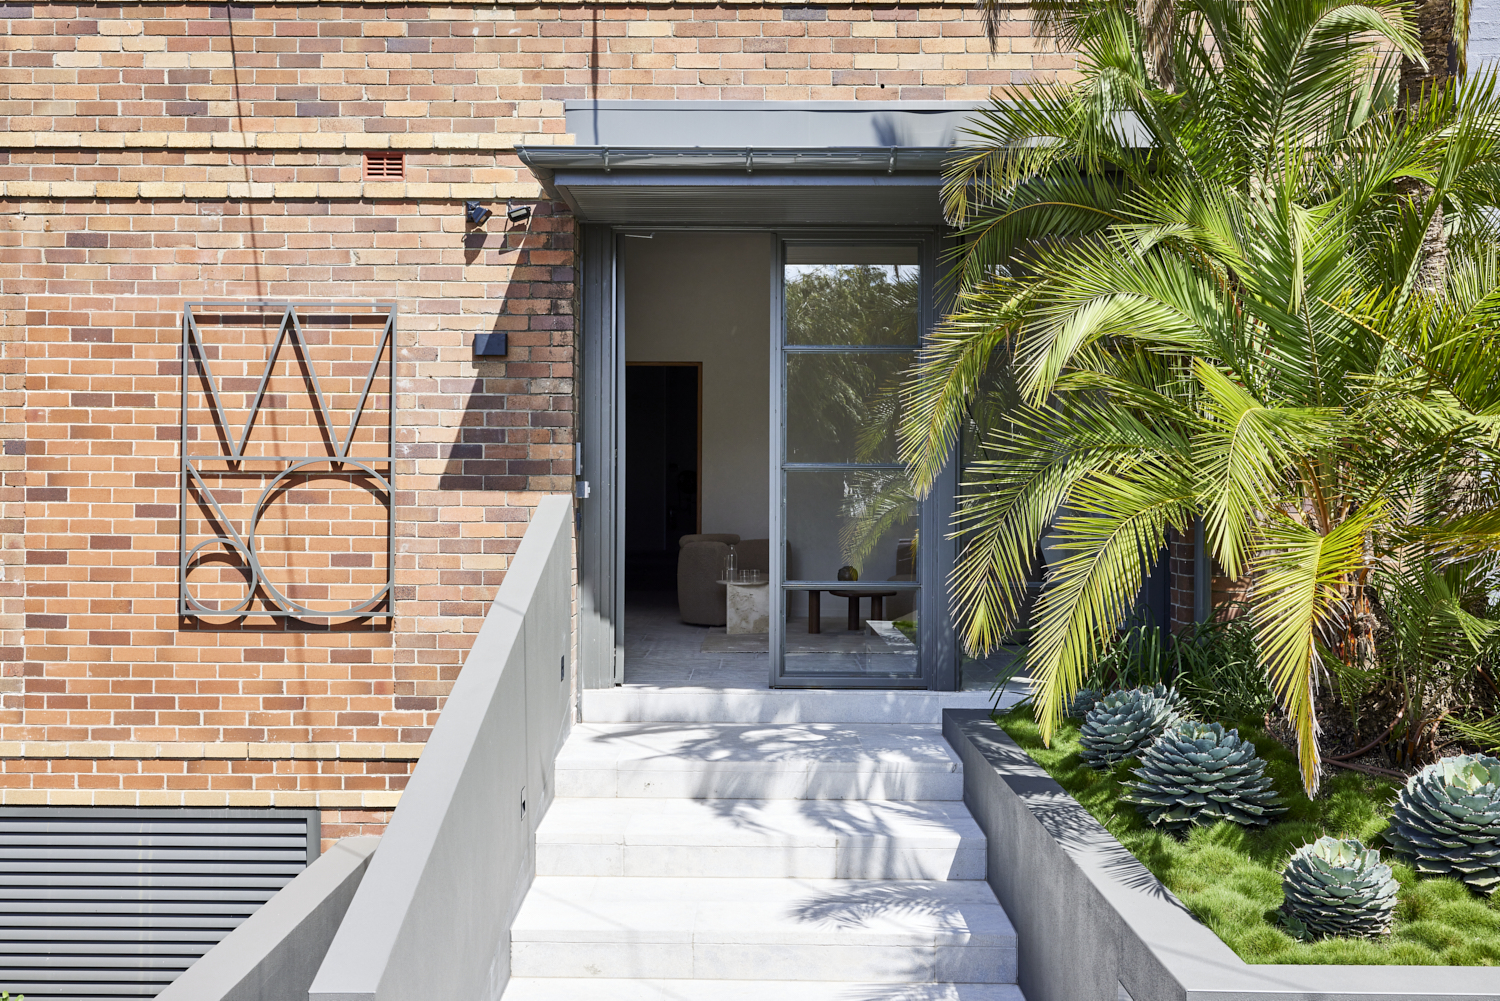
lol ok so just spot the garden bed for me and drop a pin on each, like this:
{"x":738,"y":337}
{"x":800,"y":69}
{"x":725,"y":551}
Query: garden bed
{"x":1229,"y":876}
{"x":1093,"y":924}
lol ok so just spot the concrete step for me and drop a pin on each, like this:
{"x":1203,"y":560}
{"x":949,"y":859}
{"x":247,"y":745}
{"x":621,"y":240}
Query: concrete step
{"x":911,"y":932}
{"x":739,"y":761}
{"x":573,"y":989}
{"x":650,"y":704}
{"x":811,"y":839}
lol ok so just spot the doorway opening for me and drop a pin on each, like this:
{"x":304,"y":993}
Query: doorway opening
{"x":663,"y":437}
{"x":763,"y":528}
{"x":696,"y":331}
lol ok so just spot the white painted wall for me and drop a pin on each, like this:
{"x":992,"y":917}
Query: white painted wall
{"x":706,"y":297}
{"x":1484,"y":35}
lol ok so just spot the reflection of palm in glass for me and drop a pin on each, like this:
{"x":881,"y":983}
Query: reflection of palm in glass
{"x":843,"y":407}
{"x":877,"y":506}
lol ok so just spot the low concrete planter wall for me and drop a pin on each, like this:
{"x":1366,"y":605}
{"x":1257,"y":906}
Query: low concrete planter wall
{"x":1095,"y":925}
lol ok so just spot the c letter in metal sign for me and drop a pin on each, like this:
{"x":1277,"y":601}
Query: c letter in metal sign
{"x":286,"y":502}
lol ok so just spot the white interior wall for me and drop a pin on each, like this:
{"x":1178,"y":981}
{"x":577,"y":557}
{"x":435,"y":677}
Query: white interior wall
{"x":706,"y":297}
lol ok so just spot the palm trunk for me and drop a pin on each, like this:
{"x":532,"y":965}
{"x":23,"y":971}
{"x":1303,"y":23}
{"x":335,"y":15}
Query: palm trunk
{"x":1158,"y":22}
{"x":1434,"y":21}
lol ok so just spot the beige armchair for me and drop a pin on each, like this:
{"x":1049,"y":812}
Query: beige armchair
{"x":700,"y":563}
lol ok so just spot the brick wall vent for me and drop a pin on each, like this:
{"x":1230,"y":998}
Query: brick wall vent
{"x":384,"y":166}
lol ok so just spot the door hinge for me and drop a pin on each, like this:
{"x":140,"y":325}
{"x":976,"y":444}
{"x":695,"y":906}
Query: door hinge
{"x":581,"y":490}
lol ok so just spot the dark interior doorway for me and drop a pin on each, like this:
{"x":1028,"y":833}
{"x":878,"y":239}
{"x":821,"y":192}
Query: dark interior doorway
{"x":662,"y":469}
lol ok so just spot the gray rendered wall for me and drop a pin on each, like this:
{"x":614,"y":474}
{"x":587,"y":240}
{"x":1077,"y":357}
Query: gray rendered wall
{"x":1091,"y":920}
{"x":768,"y":123}
{"x":274,"y":954}
{"x":431,"y":919}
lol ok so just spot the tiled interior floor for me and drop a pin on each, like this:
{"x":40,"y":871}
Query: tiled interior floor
{"x":661,"y":651}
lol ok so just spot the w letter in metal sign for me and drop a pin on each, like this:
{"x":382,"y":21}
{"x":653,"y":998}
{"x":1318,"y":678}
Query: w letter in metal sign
{"x":286,"y":507}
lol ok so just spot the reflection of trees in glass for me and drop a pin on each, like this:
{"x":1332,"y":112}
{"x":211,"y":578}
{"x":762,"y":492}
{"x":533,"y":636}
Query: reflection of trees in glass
{"x":851,"y":304}
{"x":844,"y":407}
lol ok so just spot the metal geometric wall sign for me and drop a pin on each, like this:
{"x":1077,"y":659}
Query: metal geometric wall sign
{"x":286,"y":507}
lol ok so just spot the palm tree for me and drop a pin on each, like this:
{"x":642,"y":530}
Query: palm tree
{"x":1202,"y":286}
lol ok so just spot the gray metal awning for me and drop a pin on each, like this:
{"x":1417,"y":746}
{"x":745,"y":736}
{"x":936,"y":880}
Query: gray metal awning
{"x":753,"y":162}
{"x":892,"y":187}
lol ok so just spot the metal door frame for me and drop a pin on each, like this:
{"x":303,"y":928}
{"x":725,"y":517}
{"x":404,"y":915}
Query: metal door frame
{"x":601,"y":457}
{"x":938,"y":666}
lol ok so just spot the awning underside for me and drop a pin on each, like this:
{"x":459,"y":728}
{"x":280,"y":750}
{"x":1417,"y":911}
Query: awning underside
{"x":891,"y":187}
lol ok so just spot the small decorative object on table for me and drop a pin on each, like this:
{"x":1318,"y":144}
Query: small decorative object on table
{"x":851,"y":574}
{"x":1335,"y":887}
{"x":1447,"y":821}
{"x":1123,"y":724}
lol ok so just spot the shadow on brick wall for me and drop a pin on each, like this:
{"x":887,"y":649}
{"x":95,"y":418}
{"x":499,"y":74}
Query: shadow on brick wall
{"x":516,"y":431}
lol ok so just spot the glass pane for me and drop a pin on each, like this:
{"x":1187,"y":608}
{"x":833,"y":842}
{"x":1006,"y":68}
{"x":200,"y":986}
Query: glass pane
{"x":861,"y":521}
{"x":843,"y":407}
{"x":859,"y":297}
{"x":857,"y":635}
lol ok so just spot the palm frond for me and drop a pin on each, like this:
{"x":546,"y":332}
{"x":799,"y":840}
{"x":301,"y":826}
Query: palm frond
{"x":1244,"y":452}
{"x":1300,"y":596}
{"x":1109,"y":540}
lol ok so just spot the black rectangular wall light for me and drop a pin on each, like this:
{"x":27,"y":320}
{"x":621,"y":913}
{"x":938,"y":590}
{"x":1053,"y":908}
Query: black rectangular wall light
{"x":489,"y":345}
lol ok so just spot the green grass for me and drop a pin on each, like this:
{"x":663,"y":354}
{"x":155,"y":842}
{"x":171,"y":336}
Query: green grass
{"x":1230,"y":876}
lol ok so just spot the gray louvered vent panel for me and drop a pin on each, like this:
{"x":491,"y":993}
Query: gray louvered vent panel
{"x":116,"y":903}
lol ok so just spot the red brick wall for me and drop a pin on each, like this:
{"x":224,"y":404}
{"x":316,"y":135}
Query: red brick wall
{"x":95,"y":290}
{"x":151,"y":155}
{"x":379,"y":68}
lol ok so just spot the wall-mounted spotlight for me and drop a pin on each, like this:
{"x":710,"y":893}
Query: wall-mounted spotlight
{"x":517,"y":213}
{"x":476,"y":213}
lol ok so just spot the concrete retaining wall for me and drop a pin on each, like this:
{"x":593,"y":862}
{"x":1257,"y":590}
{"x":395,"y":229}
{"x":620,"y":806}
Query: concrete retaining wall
{"x":275,"y":953}
{"x":431,"y":920}
{"x":1095,"y":925}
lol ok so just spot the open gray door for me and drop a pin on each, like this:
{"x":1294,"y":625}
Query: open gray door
{"x":601,"y":557}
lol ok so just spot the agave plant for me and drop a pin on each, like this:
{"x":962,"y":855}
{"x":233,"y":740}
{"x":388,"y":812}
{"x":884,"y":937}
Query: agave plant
{"x":1122,"y":724}
{"x":1083,"y":702}
{"x":1224,"y":315}
{"x":1447,"y":820}
{"x":1198,"y":774}
{"x":1335,"y":887}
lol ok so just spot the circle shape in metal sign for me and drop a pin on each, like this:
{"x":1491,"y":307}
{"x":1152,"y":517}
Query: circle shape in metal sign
{"x":251,"y":571}
{"x":284,"y":602}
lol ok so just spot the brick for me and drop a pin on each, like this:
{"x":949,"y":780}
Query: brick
{"x":160,"y":165}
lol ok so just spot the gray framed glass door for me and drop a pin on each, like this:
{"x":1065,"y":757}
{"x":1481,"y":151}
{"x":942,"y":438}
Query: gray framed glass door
{"x":846,"y":571}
